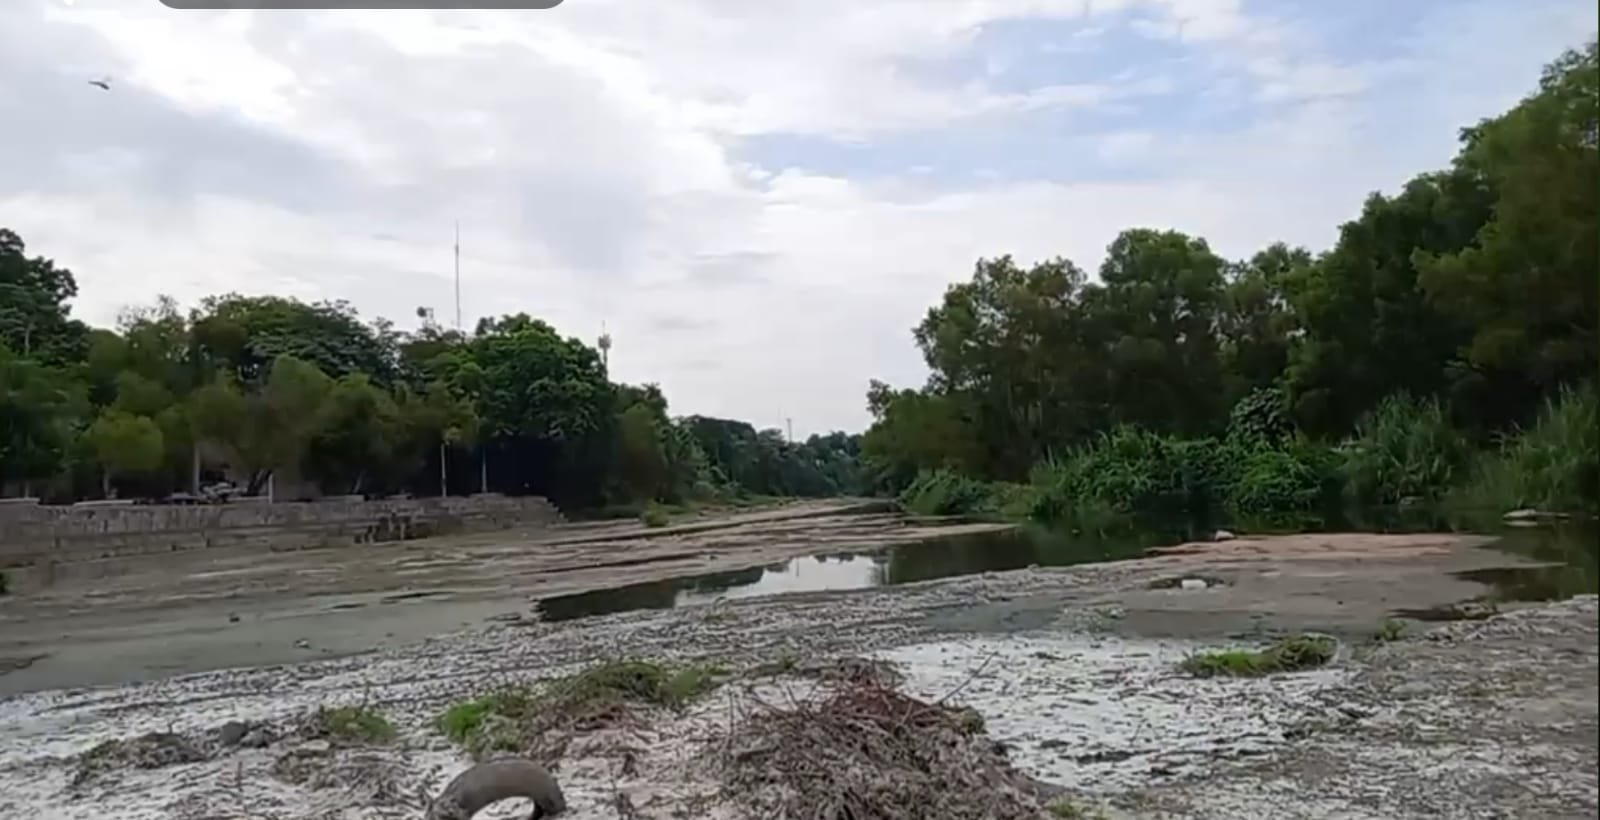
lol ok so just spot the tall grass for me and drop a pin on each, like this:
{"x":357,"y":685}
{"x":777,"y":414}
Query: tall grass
{"x":1404,"y":451}
{"x":1263,"y":474}
{"x":1553,"y":465}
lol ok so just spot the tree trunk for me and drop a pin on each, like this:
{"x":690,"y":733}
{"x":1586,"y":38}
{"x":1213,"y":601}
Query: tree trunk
{"x":271,"y":486}
{"x":194,"y":468}
{"x":105,"y":483}
{"x":483,"y":470}
{"x":444,"y":482}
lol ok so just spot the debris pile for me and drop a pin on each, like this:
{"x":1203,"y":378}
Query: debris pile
{"x":153,"y":750}
{"x":862,"y":750}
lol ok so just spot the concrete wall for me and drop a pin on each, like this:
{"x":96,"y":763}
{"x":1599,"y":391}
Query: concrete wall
{"x":37,"y":537}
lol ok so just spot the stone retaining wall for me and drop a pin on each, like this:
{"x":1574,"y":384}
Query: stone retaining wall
{"x":38,"y":536}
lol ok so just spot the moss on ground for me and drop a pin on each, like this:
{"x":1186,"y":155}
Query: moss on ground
{"x":1068,"y":810}
{"x":1288,"y":655}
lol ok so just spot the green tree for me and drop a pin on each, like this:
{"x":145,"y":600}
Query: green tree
{"x":1163,"y":298}
{"x":643,"y":471}
{"x":1369,"y":330}
{"x":282,"y":418}
{"x":39,"y":410}
{"x":125,"y":445}
{"x":358,"y":438}
{"x":253,"y":332}
{"x":1258,"y":324}
{"x":34,"y":315}
{"x":438,"y":418}
{"x":913,"y":432}
{"x":1012,"y":352}
{"x":1525,"y":281}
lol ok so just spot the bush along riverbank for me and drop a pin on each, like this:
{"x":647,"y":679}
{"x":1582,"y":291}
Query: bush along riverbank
{"x":1265,"y":474}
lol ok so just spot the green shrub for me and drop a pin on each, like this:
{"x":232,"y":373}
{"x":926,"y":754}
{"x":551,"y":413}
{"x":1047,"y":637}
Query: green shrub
{"x":1130,"y":474}
{"x":945,"y":492}
{"x":1553,"y":465}
{"x":1301,"y":477}
{"x":1261,"y":419}
{"x":655,"y":515}
{"x":1405,"y":450}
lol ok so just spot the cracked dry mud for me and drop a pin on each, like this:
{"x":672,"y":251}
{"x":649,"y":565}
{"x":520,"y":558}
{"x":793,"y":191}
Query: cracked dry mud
{"x":1072,"y":669}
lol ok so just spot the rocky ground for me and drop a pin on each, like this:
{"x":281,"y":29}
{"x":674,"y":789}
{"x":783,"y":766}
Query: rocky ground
{"x":1074,"y":671}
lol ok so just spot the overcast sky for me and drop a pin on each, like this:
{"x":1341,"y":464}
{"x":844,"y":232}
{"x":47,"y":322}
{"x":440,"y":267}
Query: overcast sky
{"x":758,"y":199}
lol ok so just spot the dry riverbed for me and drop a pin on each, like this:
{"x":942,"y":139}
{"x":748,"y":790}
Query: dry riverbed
{"x":1074,"y":671}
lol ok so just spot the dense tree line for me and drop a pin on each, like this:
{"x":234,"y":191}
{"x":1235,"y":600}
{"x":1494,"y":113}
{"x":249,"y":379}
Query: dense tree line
{"x":264,"y":389}
{"x":1444,"y":316}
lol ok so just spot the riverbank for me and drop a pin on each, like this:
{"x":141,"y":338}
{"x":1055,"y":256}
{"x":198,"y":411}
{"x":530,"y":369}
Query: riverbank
{"x":213,"y":609}
{"x":1073,"y":670}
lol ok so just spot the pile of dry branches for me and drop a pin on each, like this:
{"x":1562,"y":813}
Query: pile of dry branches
{"x":861,"y":750}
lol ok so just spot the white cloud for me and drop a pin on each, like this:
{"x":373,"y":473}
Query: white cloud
{"x":592,"y":155}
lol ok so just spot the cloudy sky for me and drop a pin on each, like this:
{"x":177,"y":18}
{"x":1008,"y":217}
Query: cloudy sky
{"x":758,"y":199}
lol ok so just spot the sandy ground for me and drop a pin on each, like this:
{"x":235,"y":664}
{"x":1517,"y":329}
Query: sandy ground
{"x":122,"y":622}
{"x":1073,"y":670}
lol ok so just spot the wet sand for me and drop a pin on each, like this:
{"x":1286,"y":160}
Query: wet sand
{"x":192,"y":612}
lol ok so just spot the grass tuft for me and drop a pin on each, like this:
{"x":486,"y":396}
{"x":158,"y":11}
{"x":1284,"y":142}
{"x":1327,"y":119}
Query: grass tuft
{"x":353,"y":724}
{"x":1289,"y":655}
{"x":1389,"y":631}
{"x":1068,"y":810}
{"x":511,"y":718}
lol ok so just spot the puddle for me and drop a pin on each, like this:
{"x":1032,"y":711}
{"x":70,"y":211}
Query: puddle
{"x":938,"y":557}
{"x":1571,"y":552}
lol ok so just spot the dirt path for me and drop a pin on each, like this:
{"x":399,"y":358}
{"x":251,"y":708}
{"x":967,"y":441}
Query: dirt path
{"x":1072,"y":669}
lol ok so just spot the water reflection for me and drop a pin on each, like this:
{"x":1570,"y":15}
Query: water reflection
{"x":1572,"y":550}
{"x":939,"y":557}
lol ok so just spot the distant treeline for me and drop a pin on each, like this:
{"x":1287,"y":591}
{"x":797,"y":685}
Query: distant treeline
{"x":264,"y":386}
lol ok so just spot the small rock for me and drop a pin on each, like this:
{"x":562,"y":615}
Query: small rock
{"x":303,"y":644}
{"x":256,"y":738}
{"x":1222,"y":535}
{"x":233,"y":617}
{"x":1533,"y":515}
{"x":1192,"y":583}
{"x":230,"y":733}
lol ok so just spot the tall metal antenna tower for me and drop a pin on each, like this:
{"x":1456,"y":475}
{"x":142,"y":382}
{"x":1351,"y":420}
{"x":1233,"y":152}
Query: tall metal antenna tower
{"x":458,"y":276}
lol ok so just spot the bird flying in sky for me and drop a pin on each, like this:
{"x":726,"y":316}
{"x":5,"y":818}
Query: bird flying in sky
{"x":104,"y":83}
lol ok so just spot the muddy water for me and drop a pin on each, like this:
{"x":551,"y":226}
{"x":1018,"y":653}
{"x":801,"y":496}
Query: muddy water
{"x":937,"y":557}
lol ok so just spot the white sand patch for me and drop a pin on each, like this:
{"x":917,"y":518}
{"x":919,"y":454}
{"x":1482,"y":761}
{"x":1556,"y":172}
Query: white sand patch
{"x":1102,"y":715}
